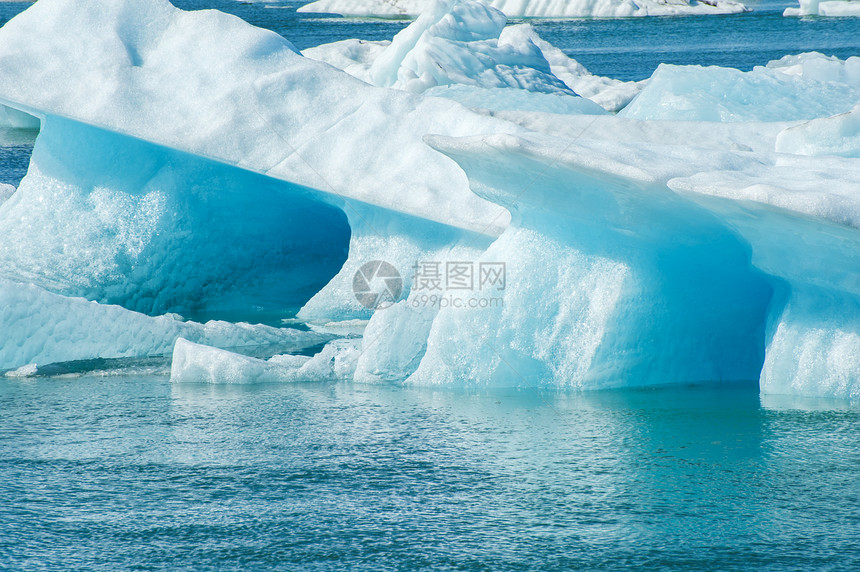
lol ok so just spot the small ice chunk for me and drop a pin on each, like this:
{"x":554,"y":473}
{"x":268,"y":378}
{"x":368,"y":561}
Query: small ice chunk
{"x":838,"y":135}
{"x":196,"y":363}
{"x":6,"y":192}
{"x":23,"y":371}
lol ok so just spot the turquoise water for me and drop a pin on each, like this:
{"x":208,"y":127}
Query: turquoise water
{"x":105,"y":473}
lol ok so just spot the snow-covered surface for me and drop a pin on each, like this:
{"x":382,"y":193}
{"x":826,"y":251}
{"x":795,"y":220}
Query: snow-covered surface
{"x":719,"y":243}
{"x":534,"y":8}
{"x":835,"y":8}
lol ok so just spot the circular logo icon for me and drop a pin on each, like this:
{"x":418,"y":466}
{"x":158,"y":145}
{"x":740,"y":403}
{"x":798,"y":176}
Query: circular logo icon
{"x":377,"y":285}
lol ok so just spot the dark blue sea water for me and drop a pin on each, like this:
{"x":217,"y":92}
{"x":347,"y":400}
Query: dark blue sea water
{"x":129,"y":472}
{"x":109,"y":473}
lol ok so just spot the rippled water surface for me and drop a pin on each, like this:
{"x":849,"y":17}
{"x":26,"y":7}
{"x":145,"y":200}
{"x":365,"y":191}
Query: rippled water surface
{"x":133,"y":473}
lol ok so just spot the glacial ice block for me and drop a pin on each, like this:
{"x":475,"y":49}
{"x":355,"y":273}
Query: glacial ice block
{"x":612,"y":280}
{"x":809,"y":244}
{"x":838,"y":135}
{"x":533,"y":8}
{"x":611,"y":94}
{"x":37,"y":326}
{"x":806,"y":86}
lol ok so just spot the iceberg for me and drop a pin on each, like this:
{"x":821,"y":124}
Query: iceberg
{"x":577,"y":311}
{"x":805,"y":86}
{"x":534,"y":8}
{"x":717,"y":244}
{"x":462,"y":50}
{"x":835,"y":8}
{"x":611,"y":94}
{"x":605,"y":311}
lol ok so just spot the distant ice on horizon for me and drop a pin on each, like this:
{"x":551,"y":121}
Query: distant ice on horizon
{"x":535,"y":8}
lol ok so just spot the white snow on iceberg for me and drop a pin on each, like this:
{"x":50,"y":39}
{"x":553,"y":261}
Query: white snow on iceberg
{"x":465,"y":44}
{"x":535,"y":8}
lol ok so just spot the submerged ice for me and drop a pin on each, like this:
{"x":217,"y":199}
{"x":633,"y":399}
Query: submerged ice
{"x":706,"y":232}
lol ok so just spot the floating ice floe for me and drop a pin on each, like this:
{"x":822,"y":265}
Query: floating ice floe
{"x":6,"y":191}
{"x":805,"y":86}
{"x":535,"y":8}
{"x":196,"y":363}
{"x":835,"y":8}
